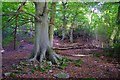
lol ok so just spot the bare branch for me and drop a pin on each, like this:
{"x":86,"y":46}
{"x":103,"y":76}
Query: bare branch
{"x":20,"y":8}
{"x":12,"y":13}
{"x":32,"y":15}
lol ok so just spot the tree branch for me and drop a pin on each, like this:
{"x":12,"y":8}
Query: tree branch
{"x":20,"y":8}
{"x":12,"y":13}
{"x":31,"y":15}
{"x":44,"y":9}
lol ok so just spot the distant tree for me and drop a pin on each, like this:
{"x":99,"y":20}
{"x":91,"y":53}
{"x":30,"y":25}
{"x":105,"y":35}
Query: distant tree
{"x":64,"y":20}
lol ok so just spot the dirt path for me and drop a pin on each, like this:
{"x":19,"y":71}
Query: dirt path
{"x":92,"y":66}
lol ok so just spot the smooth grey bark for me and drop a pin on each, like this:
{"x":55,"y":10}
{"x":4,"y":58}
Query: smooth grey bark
{"x":42,"y":49}
{"x":51,"y":28}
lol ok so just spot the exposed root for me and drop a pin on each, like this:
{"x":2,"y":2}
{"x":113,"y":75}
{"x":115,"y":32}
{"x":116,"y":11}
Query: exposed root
{"x":57,"y":56}
{"x":54,"y":57}
{"x":42,"y":55}
{"x":32,"y":60}
{"x":47,"y":54}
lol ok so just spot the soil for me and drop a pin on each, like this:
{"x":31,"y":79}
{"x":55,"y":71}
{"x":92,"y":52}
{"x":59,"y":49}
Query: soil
{"x":92,"y":67}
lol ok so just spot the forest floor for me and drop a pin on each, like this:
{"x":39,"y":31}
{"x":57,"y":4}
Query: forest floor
{"x":92,"y":66}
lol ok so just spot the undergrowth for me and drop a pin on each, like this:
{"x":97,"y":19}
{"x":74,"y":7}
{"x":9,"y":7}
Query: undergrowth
{"x":25,"y":67}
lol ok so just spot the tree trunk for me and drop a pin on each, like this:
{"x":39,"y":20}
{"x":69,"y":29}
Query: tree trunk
{"x":15,"y":32}
{"x":52,"y":17}
{"x":71,"y":35}
{"x":113,"y":36}
{"x":63,"y":33}
{"x":42,"y":49}
{"x":0,"y":33}
{"x":1,"y":41}
{"x":64,"y":22}
{"x":72,"y":27}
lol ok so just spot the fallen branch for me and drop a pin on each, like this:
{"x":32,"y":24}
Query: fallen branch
{"x":68,"y":48}
{"x":77,"y":47}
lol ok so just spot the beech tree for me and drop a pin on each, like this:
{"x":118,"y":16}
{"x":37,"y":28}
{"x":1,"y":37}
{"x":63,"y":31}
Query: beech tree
{"x":99,"y":21}
{"x":42,"y":48}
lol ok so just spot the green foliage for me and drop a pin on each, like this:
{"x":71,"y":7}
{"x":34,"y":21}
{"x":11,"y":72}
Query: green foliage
{"x":97,"y":54}
{"x":113,"y":51}
{"x":31,"y":40}
{"x":82,"y":31}
{"x":42,"y":70}
{"x":88,"y":23}
{"x":78,"y":62}
{"x":24,"y":63}
{"x":7,"y":40}
{"x":13,"y":75}
{"x":63,"y":63}
{"x":32,"y":70}
{"x":48,"y":67}
{"x":33,"y":66}
{"x":10,"y":74}
{"x":9,"y":22}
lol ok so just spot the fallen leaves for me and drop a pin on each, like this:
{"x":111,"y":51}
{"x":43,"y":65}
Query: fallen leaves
{"x":70,"y":66}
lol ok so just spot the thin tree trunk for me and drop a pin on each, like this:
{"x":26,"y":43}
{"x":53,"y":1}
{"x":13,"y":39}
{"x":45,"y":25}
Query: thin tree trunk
{"x":72,"y":27}
{"x":1,"y":41}
{"x":64,"y":22}
{"x":15,"y":33}
{"x":42,"y":49}
{"x":63,"y":32}
{"x":52,"y":17}
{"x":71,"y":35}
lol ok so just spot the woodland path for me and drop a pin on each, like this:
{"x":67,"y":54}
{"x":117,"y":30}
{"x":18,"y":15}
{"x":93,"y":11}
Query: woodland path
{"x":96,"y":67}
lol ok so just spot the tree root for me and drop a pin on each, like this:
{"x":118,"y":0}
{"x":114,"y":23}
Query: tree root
{"x":48,"y":54}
